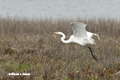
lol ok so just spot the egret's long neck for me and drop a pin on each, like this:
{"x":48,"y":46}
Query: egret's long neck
{"x":63,"y":38}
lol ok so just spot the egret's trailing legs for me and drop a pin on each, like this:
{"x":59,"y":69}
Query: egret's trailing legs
{"x":92,"y":54}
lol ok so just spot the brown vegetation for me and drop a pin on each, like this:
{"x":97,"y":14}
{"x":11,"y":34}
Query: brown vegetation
{"x":29,"y":47}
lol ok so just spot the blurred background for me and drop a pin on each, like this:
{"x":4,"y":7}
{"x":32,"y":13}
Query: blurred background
{"x":60,"y":8}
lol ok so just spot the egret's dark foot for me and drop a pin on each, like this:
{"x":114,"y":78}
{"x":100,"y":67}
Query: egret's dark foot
{"x":95,"y":58}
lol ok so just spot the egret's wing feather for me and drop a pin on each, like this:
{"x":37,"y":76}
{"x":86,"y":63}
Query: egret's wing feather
{"x":79,"y":29}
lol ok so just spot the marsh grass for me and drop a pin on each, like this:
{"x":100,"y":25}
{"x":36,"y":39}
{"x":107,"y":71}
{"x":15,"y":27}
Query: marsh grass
{"x":29,"y":46}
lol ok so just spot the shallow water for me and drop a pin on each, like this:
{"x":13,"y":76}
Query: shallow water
{"x":60,"y":8}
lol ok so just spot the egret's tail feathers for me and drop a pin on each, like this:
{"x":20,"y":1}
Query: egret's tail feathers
{"x":97,"y":36}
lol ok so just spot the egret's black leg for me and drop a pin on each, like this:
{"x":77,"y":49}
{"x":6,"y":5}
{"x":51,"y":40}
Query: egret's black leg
{"x":92,"y":54}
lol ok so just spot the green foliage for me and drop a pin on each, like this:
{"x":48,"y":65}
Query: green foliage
{"x":94,"y":77}
{"x":10,"y":66}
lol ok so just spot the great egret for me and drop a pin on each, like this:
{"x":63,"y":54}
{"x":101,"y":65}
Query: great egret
{"x":80,"y":36}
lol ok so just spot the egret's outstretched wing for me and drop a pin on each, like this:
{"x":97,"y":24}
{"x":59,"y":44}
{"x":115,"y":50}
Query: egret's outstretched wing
{"x":79,"y":29}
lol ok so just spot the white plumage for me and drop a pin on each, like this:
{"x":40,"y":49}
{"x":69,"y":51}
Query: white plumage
{"x":80,"y":35}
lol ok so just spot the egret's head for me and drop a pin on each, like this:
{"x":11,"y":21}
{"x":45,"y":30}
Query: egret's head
{"x":59,"y":33}
{"x":56,"y":32}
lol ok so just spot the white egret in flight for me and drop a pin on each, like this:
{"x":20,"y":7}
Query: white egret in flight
{"x":80,"y":36}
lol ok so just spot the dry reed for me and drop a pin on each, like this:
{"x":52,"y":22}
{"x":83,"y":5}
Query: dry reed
{"x":29,"y":46}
